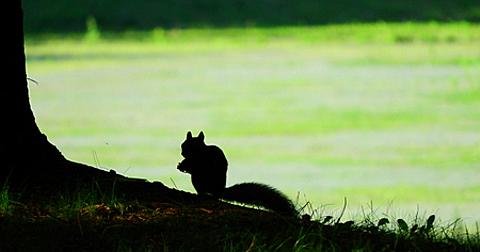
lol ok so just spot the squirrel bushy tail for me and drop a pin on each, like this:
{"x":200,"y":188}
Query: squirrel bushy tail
{"x":260,"y":195}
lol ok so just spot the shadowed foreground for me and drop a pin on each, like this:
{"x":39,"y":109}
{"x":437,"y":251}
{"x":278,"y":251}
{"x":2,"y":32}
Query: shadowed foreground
{"x":101,"y":220}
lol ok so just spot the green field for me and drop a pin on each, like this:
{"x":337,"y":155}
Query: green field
{"x":383,"y":114}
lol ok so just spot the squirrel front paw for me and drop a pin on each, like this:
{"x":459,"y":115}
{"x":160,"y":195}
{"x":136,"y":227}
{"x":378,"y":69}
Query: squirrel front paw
{"x":180,"y":167}
{"x":183,"y":167}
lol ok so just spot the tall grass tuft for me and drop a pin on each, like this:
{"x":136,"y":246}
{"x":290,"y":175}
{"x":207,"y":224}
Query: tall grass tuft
{"x":4,"y":200}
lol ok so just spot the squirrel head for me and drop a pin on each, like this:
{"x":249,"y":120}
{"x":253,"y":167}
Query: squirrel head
{"x":193,"y":146}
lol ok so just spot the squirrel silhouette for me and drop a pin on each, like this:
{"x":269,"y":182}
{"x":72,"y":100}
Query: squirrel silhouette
{"x":207,"y":166}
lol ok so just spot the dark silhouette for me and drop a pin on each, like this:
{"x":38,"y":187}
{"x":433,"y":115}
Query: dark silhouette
{"x":207,"y":165}
{"x":30,"y":164}
{"x":27,"y":156}
{"x":24,"y":150}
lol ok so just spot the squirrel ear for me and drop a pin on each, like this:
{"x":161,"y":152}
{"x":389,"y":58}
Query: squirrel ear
{"x":201,"y":136}
{"x":189,"y":135}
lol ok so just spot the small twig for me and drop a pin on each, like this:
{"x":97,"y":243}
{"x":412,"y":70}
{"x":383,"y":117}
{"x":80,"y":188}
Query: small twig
{"x":32,"y":80}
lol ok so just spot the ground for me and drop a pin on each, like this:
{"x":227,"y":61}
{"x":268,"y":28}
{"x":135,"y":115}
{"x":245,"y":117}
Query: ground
{"x":80,"y":225}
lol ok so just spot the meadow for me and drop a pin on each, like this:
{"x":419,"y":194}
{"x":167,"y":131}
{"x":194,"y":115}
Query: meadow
{"x":385,"y":115}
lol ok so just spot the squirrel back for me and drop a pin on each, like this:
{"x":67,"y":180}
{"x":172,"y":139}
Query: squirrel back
{"x":207,"y":166}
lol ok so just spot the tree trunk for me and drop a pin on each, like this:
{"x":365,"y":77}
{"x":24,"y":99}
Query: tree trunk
{"x":24,"y":150}
{"x":27,"y":157}
{"x":28,"y":161}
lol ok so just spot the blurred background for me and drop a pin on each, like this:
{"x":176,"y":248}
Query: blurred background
{"x":375,"y":102}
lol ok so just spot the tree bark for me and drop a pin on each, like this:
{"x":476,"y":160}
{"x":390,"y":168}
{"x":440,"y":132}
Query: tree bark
{"x":27,"y":157}
{"x":24,"y":150}
{"x":28,"y":161}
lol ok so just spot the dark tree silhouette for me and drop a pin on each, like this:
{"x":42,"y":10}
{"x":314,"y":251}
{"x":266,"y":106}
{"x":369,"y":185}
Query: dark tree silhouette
{"x":24,"y":150}
{"x":27,"y":157}
{"x":28,"y":161}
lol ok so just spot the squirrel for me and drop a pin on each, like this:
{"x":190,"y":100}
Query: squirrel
{"x":207,"y":166}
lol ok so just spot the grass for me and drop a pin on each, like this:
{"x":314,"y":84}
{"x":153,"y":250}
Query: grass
{"x":81,"y":221}
{"x":4,"y":200}
{"x":383,"y":113}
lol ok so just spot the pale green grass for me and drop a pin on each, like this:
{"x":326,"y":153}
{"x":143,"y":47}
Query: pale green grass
{"x":378,"y":113}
